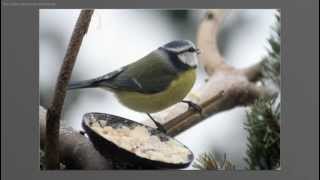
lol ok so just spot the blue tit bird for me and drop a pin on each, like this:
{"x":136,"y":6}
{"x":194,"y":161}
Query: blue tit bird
{"x":153,"y":83}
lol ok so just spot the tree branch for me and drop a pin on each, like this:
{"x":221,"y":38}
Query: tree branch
{"x":225,"y":90}
{"x":210,"y":57}
{"x":76,"y":151}
{"x":54,"y":112}
{"x":253,"y":73}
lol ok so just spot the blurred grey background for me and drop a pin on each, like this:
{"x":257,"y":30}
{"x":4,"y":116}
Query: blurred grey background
{"x":117,"y":37}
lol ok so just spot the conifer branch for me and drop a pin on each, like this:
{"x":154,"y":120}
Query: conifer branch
{"x":263,"y":123}
{"x":207,"y":161}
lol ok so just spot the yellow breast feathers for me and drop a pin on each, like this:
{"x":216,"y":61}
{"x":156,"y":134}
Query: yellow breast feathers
{"x":151,"y":103}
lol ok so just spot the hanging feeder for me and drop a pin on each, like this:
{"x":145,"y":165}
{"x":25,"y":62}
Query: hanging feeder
{"x":128,"y":142}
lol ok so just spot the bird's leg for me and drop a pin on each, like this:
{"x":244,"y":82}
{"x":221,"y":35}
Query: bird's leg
{"x":194,"y":106}
{"x":159,"y":126}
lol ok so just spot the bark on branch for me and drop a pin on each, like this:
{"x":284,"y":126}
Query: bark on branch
{"x":210,"y":56}
{"x":54,"y":111}
{"x":253,"y":73}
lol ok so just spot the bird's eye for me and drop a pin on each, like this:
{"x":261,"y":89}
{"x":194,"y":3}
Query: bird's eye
{"x":191,"y":49}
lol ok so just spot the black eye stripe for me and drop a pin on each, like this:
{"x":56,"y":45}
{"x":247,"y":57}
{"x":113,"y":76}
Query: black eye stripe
{"x":191,"y":49}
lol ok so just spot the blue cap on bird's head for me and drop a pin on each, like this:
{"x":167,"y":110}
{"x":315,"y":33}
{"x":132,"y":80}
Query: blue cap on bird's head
{"x":185,"y":50}
{"x":180,"y":46}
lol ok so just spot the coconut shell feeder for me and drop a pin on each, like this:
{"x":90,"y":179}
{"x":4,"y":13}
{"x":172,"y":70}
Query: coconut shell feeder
{"x":133,"y":145}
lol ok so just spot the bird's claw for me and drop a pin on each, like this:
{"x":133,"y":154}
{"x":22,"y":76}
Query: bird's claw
{"x":193,"y":106}
{"x":159,"y":126}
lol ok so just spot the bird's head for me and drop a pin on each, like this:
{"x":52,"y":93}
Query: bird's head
{"x":184,"y":50}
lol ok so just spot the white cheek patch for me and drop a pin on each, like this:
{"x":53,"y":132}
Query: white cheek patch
{"x":189,"y":58}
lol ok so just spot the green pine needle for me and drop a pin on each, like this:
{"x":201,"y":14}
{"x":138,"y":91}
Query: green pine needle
{"x":271,"y":63}
{"x":264,"y":134}
{"x":207,"y":161}
{"x":264,"y":117}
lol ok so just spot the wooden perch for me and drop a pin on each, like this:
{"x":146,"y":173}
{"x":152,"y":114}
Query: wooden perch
{"x":226,"y":88}
{"x":54,"y":111}
{"x":76,"y":151}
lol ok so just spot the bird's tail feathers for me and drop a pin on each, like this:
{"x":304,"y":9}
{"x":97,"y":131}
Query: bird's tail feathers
{"x":82,"y":84}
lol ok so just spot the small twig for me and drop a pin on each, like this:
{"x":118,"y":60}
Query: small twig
{"x":54,"y":112}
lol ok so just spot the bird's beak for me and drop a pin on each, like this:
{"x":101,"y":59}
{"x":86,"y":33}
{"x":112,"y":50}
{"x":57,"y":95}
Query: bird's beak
{"x":198,"y":51}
